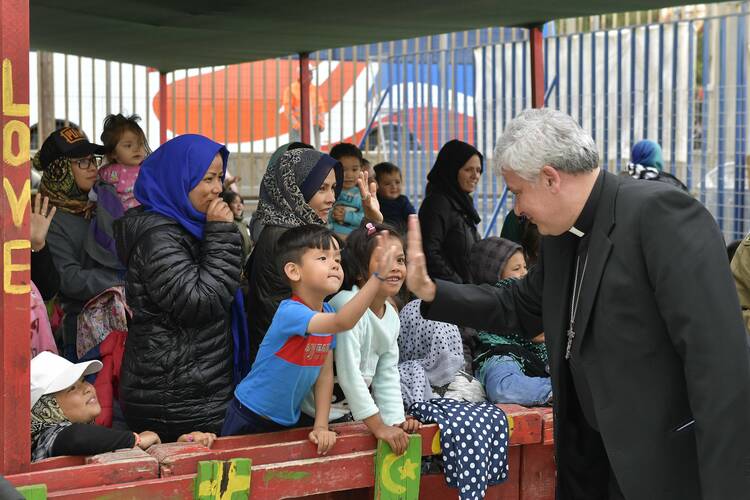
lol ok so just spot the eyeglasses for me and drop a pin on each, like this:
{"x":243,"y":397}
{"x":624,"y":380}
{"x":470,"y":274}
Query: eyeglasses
{"x":87,"y":163}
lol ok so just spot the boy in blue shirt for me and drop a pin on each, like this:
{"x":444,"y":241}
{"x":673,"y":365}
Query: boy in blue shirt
{"x":296,"y":354}
{"x":347,"y":213}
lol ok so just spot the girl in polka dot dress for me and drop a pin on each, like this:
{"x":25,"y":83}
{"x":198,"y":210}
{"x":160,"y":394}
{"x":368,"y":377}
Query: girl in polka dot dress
{"x":366,"y":357}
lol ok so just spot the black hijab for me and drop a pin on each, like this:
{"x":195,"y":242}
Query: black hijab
{"x":443,"y":176}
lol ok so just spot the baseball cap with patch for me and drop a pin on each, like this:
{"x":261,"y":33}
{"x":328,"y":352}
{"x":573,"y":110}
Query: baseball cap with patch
{"x":66,"y":142}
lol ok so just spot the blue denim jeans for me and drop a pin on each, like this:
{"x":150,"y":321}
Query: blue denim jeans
{"x":504,"y":382}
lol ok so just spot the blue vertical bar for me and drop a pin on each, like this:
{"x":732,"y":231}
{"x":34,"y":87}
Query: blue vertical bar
{"x":494,"y":138}
{"x":514,"y":96}
{"x":570,"y":75}
{"x":580,"y":80}
{"x":391,"y":80}
{"x":546,"y":63}
{"x":504,"y":111}
{"x":419,"y":124}
{"x":646,"y":76}
{"x":524,"y":103}
{"x":632,"y":88}
{"x":691,"y":106}
{"x":593,"y":87}
{"x":739,"y":134}
{"x":557,"y":73}
{"x":411,"y":136}
{"x":469,"y":57}
{"x":722,"y":137}
{"x":673,"y":127}
{"x":660,"y":118}
{"x":705,"y":105}
{"x":606,"y":100}
{"x":618,"y":126}
{"x":486,"y":105}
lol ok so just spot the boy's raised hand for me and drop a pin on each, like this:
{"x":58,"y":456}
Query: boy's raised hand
{"x":324,"y":438}
{"x":368,"y":190}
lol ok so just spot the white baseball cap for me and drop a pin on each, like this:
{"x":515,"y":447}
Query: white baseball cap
{"x":51,"y":373}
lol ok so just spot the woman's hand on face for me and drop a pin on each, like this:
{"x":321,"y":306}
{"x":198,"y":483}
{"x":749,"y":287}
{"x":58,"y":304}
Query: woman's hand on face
{"x":204,"y":438}
{"x":148,"y":439}
{"x":218,"y":211}
{"x":369,"y":193}
{"x":40,"y":220}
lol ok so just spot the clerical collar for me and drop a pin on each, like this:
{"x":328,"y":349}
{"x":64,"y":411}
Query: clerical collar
{"x":585,"y":220}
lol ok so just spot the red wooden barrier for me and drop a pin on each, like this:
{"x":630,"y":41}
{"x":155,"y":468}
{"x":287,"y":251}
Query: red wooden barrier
{"x":91,"y":475}
{"x":286,"y":465}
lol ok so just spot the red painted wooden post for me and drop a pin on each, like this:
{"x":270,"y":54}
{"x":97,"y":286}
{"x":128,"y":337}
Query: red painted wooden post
{"x":305,"y":78}
{"x":163,"y":117}
{"x":15,"y":436}
{"x":537,"y":66}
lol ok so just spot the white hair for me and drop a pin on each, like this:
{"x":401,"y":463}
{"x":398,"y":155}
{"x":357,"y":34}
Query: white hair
{"x":539,"y":137}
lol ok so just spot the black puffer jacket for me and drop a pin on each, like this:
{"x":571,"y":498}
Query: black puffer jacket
{"x":448,"y":235}
{"x":177,"y":371}
{"x":266,"y":287}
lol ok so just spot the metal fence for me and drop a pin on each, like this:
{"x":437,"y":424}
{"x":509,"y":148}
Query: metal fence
{"x":683,"y":84}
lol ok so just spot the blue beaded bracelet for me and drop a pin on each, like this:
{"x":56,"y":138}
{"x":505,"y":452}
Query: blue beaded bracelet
{"x":377,"y":275}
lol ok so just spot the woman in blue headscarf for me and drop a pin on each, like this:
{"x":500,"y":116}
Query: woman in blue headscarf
{"x":187,"y":343}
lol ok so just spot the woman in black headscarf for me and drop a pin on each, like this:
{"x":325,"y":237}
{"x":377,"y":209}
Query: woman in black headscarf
{"x":447,"y":216}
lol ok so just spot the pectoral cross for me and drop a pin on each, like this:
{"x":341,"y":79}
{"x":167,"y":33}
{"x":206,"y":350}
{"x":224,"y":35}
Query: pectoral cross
{"x":571,"y":335}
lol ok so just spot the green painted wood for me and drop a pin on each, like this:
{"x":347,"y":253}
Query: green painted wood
{"x":398,"y":477}
{"x":33,"y":492}
{"x":223,"y":480}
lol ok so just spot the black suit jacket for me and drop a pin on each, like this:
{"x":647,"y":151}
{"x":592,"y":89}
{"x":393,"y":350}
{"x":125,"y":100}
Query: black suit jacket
{"x":660,"y":340}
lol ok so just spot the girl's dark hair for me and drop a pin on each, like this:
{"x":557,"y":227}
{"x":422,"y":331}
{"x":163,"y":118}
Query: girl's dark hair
{"x":229,"y":196}
{"x":115,"y":126}
{"x":297,"y":240}
{"x":358,"y":249}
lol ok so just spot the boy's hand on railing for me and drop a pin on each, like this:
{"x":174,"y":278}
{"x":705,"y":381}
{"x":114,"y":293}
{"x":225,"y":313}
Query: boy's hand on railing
{"x":324,"y":438}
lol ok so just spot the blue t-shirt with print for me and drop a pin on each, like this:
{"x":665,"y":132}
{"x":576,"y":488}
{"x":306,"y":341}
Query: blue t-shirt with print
{"x":287,"y":365}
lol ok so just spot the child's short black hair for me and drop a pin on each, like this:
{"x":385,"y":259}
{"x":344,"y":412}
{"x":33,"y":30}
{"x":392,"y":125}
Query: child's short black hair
{"x":229,"y":196}
{"x":385,"y":168}
{"x":346,"y":149}
{"x":358,"y":249}
{"x":297,"y":240}
{"x":115,"y":126}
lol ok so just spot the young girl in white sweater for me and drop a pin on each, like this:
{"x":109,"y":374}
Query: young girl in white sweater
{"x":366,"y":357}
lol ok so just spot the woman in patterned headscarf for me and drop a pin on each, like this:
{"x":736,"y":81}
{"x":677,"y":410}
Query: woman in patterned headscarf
{"x":80,"y":235}
{"x":299,"y":187}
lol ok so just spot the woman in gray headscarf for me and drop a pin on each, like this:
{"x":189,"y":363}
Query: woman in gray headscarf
{"x":299,"y":187}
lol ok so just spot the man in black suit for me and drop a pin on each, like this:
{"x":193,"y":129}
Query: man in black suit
{"x":647,"y":350}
